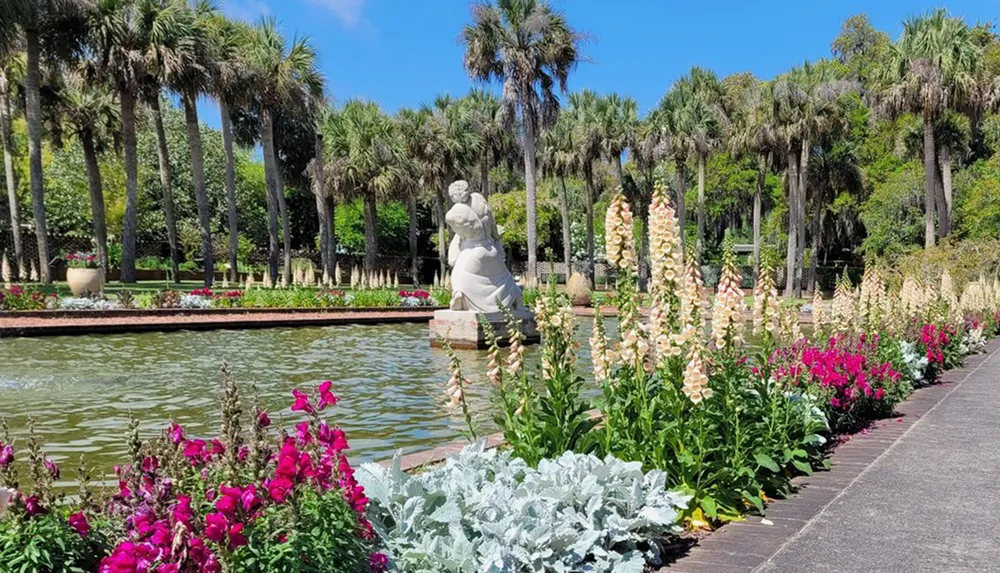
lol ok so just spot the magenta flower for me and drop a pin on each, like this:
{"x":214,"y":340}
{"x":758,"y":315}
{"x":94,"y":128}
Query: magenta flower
{"x":182,"y":512}
{"x":6,"y":456}
{"x":33,"y":506}
{"x":378,"y":562}
{"x":249,"y":500}
{"x":228,"y":500}
{"x":236,"y":537}
{"x":302,"y":433}
{"x":263,"y":420}
{"x":326,"y":396}
{"x":78,"y":521}
{"x":301,"y":403}
{"x":176,"y":433}
{"x":216,"y":526}
{"x":52,"y":468}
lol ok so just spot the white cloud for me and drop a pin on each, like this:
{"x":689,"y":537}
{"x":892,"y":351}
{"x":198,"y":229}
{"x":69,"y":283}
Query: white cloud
{"x":247,"y":10}
{"x":349,"y":12}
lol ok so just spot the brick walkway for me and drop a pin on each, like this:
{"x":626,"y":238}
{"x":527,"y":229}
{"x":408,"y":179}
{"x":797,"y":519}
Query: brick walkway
{"x":918,"y":493}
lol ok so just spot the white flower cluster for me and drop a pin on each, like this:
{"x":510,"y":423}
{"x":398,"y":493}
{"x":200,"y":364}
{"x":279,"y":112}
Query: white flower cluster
{"x":618,"y":234}
{"x":195,"y":301}
{"x":843,"y":310}
{"x":765,"y":304}
{"x":727,"y":314}
{"x":86,"y":303}
{"x":666,"y":271}
{"x":600,"y":354}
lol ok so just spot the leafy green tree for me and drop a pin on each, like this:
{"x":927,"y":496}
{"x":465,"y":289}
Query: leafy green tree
{"x":586,"y":138}
{"x":365,"y":161}
{"x":9,"y":63}
{"x":414,"y":127}
{"x":530,"y":48}
{"x":559,"y":160}
{"x":933,"y":67}
{"x":285,"y":76}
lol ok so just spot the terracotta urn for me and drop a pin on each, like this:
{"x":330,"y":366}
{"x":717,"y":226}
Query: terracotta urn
{"x":84,"y":282}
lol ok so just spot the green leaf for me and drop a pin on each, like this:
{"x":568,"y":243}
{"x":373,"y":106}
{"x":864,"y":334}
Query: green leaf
{"x":766,"y":461}
{"x":709,"y":507}
{"x":802,"y":467}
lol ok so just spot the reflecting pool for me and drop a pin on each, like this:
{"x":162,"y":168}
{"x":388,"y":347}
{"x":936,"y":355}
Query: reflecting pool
{"x":79,"y":389}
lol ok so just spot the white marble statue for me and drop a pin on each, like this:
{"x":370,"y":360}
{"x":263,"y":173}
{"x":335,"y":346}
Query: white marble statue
{"x":480,"y":280}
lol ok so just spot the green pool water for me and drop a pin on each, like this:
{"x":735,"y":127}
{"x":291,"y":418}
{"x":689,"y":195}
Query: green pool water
{"x":80,"y":389}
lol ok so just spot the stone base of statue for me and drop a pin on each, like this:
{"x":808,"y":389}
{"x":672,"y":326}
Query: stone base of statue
{"x":463,"y":329}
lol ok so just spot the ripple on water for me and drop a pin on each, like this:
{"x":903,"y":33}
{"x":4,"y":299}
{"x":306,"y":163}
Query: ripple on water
{"x":81,"y":389}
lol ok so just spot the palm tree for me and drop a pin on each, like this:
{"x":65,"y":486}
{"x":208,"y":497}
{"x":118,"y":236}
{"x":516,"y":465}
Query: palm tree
{"x":317,"y":174}
{"x":285,"y":78}
{"x":190,"y":78}
{"x":417,"y":139}
{"x":647,"y":151}
{"x":91,"y":112}
{"x":453,"y":147}
{"x":586,"y":138}
{"x":931,"y":68}
{"x":167,"y":47}
{"x":121,"y":37}
{"x":752,"y":132}
{"x":531,"y":49}
{"x":675,"y":121}
{"x":559,"y":160}
{"x":230,"y":88}
{"x":704,"y":131}
{"x":56,"y":25}
{"x":365,"y":161}
{"x":951,"y":135}
{"x":618,"y":117}
{"x":485,"y":111}
{"x":8,"y":63}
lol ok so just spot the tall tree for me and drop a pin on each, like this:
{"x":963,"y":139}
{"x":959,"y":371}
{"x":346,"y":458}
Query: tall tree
{"x":676,"y":121}
{"x":190,"y":79}
{"x":618,"y":117}
{"x":531,"y":49}
{"x":453,"y":147}
{"x":166,"y":48}
{"x":231,"y":89}
{"x":53,"y":28}
{"x":704,"y":131}
{"x":752,"y":133}
{"x":559,"y":160}
{"x":8,"y":62}
{"x":91,"y":113}
{"x":418,"y":147}
{"x":365,"y":161}
{"x":485,"y":111}
{"x":932,"y":67}
{"x":586,"y":138}
{"x":121,"y":37}
{"x":286,"y":77}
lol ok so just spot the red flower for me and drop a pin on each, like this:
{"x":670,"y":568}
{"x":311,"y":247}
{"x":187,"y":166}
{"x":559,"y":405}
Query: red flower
{"x":216,"y":526}
{"x":33,"y":506}
{"x":78,"y":521}
{"x":263,"y":420}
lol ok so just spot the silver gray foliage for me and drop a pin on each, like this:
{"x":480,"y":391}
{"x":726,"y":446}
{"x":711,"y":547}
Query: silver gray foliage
{"x":484,"y":511}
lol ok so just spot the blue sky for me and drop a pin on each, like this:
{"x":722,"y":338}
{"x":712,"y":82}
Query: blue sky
{"x":404,"y":52}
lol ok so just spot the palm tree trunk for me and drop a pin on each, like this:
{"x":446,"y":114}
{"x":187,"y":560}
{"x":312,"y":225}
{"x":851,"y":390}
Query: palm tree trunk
{"x":564,"y":211}
{"x":442,"y":233}
{"x":234,"y":234}
{"x":319,"y":193}
{"x":484,"y":173}
{"x":588,"y":176}
{"x":200,"y":193}
{"x":127,"y":98}
{"x":331,"y":226}
{"x":411,"y":212}
{"x":940,"y":201}
{"x":166,"y":187}
{"x":792,"y":180}
{"x":267,"y":142}
{"x":802,"y":201}
{"x":531,"y":194}
{"x":757,"y":199}
{"x":371,"y":232}
{"x":286,"y":233}
{"x":929,"y":178}
{"x":33,"y":114}
{"x":619,"y":173}
{"x":680,"y":191}
{"x":96,"y":197}
{"x":817,"y":238}
{"x":8,"y":164}
{"x":944,"y":159}
{"x":699,"y":245}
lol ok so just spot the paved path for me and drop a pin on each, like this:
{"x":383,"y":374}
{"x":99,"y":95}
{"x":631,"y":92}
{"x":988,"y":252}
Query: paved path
{"x":918,"y":493}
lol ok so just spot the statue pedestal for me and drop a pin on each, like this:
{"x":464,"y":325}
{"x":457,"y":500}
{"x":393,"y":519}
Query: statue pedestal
{"x":463,"y":329}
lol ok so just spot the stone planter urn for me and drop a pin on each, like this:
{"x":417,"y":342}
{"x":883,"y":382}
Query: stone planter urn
{"x":83,"y":282}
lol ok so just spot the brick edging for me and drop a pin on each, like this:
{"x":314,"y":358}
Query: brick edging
{"x":145,"y":312}
{"x":742,"y":547}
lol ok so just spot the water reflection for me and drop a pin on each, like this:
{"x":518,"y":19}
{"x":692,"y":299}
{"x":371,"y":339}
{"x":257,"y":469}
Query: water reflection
{"x":80,"y":389}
